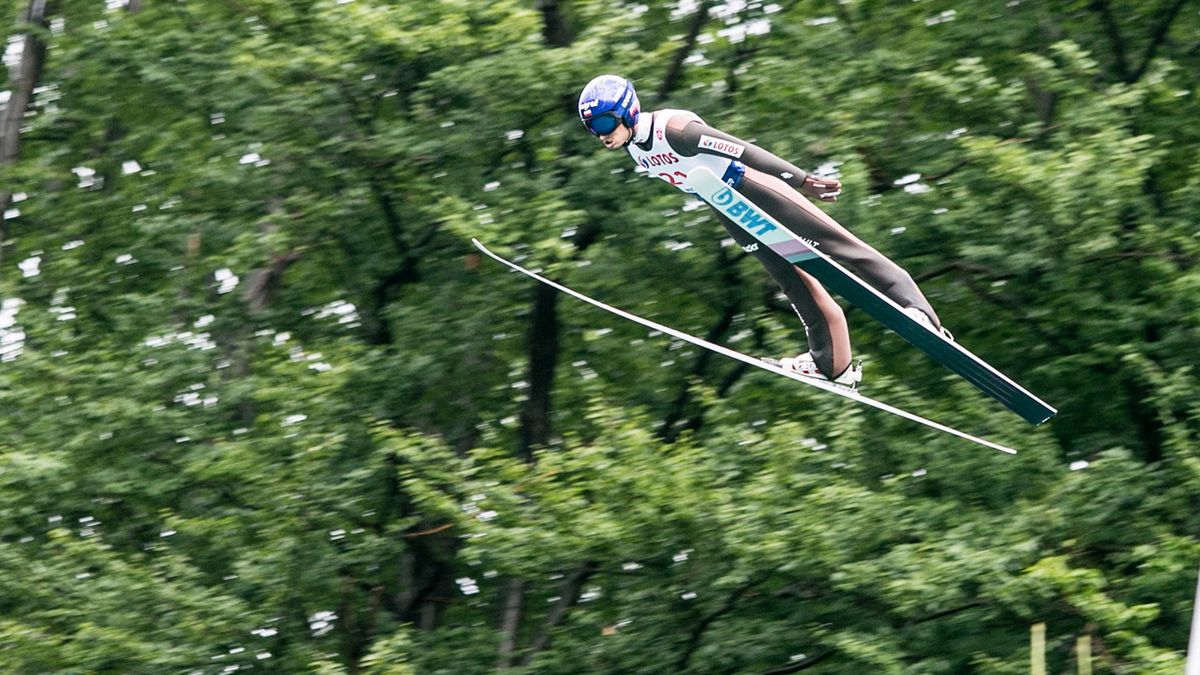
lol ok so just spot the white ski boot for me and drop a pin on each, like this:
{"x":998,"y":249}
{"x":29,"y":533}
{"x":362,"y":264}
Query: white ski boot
{"x":804,"y":365}
{"x":923,"y":319}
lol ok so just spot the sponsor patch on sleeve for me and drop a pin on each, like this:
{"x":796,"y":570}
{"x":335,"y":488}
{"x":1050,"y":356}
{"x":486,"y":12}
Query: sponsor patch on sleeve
{"x":724,"y":147}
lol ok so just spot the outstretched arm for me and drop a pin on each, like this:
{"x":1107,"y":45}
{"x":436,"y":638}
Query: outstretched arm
{"x":696,"y":137}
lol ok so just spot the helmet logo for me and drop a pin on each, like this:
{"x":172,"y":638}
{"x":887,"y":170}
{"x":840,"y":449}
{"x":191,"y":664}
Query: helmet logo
{"x":609,"y":95}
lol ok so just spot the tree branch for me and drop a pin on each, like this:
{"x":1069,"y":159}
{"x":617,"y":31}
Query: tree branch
{"x":727,"y":383}
{"x":1102,"y":649}
{"x":427,"y":532}
{"x":1184,"y":261}
{"x":1157,"y":37}
{"x":261,"y":283}
{"x":731,"y":280}
{"x":669,"y":431}
{"x":568,"y":595}
{"x":958,"y":266}
{"x":880,"y":183}
{"x":740,"y":55}
{"x":968,"y":273}
{"x":675,"y":71}
{"x":810,"y":661}
{"x":843,"y":15}
{"x":946,"y":612}
{"x":706,"y":621}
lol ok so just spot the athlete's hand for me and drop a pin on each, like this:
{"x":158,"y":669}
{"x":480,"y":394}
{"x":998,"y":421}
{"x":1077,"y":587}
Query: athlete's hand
{"x":825,"y":189}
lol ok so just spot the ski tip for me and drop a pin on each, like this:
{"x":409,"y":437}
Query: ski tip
{"x":479,"y":245}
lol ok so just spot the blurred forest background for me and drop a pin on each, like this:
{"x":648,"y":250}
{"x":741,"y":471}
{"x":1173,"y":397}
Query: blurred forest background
{"x":262,"y":407}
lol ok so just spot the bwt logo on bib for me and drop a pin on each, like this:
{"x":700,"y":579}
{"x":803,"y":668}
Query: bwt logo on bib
{"x":742,"y":212}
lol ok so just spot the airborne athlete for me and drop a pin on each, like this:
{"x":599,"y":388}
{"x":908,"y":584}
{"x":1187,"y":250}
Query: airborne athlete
{"x":670,"y":143}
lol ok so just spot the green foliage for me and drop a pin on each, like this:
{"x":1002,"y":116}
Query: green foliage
{"x":265,"y":407}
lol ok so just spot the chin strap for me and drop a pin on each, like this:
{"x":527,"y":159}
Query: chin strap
{"x":633,"y":138}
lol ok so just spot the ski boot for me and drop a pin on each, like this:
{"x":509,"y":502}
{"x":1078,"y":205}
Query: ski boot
{"x":804,"y":365}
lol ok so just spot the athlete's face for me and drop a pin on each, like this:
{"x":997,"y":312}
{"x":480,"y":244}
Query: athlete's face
{"x":618,"y":138}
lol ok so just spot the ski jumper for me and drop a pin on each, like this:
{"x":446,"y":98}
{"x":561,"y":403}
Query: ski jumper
{"x":670,"y":143}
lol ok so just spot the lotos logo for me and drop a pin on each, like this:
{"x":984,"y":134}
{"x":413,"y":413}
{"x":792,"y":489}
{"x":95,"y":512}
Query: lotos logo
{"x":724,"y":147}
{"x":659,"y":159}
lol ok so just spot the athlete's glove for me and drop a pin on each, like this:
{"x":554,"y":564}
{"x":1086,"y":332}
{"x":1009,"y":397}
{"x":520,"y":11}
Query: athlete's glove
{"x":825,"y":189}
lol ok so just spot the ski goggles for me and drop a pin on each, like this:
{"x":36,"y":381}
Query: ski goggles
{"x":603,"y":124}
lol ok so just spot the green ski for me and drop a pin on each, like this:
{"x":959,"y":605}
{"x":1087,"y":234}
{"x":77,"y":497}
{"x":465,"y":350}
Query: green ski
{"x":836,"y":278}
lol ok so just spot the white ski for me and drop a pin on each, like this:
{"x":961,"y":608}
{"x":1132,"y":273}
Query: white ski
{"x":844,"y":392}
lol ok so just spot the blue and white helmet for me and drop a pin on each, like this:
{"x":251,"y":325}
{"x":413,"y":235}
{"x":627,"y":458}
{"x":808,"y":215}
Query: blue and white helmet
{"x":607,"y":101}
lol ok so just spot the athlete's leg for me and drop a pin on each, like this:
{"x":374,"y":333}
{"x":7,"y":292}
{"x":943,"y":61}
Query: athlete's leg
{"x":830,"y":347}
{"x":802,"y":217}
{"x":824,"y":323}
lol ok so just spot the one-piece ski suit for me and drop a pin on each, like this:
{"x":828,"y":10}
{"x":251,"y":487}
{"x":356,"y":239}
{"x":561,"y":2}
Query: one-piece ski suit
{"x":670,"y":143}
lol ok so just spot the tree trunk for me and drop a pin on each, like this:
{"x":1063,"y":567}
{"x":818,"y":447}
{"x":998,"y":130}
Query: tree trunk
{"x":28,"y":72}
{"x":1115,"y":40}
{"x":510,"y":623}
{"x":555,"y":31}
{"x":543,"y":357}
